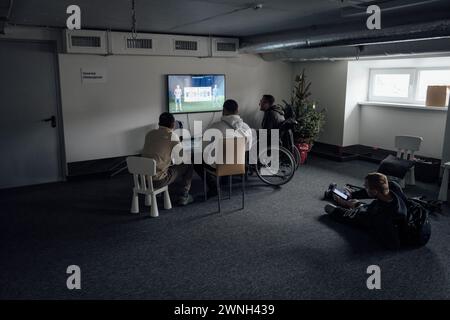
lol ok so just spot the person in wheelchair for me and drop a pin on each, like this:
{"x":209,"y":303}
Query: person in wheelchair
{"x":384,"y":217}
{"x":273,"y":114}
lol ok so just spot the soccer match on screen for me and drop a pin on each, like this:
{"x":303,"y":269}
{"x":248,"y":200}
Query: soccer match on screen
{"x":190,"y":93}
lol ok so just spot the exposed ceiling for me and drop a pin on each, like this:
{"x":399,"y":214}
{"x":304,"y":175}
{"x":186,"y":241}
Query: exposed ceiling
{"x":291,"y":25}
{"x":200,"y":17}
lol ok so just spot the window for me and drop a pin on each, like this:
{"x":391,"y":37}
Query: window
{"x":391,"y":85}
{"x":431,"y":77}
{"x":405,"y":85}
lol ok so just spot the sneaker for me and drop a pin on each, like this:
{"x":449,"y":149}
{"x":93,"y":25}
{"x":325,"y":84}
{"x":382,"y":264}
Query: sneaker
{"x":185,"y":200}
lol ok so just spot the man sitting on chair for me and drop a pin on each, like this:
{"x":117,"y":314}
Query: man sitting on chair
{"x":230,"y":125}
{"x":158,"y":146}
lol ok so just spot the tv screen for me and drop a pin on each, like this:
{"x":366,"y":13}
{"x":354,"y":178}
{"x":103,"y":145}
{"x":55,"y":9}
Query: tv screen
{"x":196,"y":93}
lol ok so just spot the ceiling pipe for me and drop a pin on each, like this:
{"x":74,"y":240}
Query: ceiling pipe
{"x":428,"y":47}
{"x":410,"y":32}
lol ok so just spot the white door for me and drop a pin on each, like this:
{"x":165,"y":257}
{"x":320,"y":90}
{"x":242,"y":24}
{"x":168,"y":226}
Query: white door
{"x":30,"y":144}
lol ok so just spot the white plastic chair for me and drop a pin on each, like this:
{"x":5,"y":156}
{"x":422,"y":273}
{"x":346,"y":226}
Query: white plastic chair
{"x":406,"y":147}
{"x":143,"y":169}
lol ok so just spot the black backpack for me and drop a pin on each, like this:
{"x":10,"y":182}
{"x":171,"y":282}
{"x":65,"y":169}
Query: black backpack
{"x":417,"y":228}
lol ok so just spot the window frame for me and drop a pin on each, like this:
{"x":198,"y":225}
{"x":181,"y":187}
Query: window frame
{"x":412,"y":72}
{"x":413,"y":90}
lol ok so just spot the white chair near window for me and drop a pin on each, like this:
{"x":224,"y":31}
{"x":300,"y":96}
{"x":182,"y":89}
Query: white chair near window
{"x":406,"y":147}
{"x":143,"y":169}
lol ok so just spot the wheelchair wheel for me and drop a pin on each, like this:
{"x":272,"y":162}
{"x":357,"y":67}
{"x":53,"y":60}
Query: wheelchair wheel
{"x":297,"y":157}
{"x":272,"y":174}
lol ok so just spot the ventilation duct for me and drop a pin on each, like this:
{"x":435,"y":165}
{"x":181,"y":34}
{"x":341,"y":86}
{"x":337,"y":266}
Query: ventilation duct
{"x":224,"y":47}
{"x":297,"y":40}
{"x":172,"y":45}
{"x":186,"y":45}
{"x":139,"y":43}
{"x":125,"y":43}
{"x":85,"y":41}
{"x":429,"y":47}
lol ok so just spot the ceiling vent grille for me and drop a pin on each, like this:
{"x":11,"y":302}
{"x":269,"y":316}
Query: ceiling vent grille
{"x":186,"y":45}
{"x":226,"y":46}
{"x":85,"y":41}
{"x":139,"y":44}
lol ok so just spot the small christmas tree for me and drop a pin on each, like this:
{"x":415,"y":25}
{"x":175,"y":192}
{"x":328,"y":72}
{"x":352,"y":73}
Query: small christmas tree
{"x":301,"y":91}
{"x":310,"y":121}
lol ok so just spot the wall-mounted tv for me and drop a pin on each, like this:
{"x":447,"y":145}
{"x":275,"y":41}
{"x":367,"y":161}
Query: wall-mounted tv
{"x":195,"y":93}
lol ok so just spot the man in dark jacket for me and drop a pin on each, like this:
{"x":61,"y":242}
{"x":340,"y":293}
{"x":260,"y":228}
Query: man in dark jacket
{"x":273,"y":114}
{"x":383,"y":217}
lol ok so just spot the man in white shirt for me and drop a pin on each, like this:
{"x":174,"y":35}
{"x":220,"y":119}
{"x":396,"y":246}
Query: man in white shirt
{"x":230,"y":125}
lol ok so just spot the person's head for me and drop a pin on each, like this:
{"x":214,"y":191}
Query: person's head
{"x":230,"y":107}
{"x":376,"y":184}
{"x":167,"y":120}
{"x":266,"y":102}
{"x":178,"y":86}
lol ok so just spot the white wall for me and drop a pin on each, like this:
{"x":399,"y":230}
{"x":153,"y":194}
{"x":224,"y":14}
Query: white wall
{"x":340,"y":86}
{"x":357,"y":89}
{"x":110,"y":119}
{"x":377,"y":126}
{"x":328,"y":89}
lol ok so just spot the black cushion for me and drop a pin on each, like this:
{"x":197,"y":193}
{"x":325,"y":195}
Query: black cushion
{"x":395,"y":167}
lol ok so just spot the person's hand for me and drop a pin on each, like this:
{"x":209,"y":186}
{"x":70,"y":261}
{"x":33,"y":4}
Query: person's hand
{"x":350,"y":204}
{"x":348,"y":192}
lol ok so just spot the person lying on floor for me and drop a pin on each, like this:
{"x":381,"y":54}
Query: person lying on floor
{"x":158,"y":146}
{"x":384,"y":216}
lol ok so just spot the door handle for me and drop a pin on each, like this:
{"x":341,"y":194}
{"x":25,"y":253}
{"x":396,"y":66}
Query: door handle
{"x":52,"y":120}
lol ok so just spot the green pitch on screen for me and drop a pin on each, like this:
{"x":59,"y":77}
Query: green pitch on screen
{"x":203,"y":106}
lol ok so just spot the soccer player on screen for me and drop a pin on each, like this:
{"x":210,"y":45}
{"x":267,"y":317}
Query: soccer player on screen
{"x":215,"y":95}
{"x":177,"y":93}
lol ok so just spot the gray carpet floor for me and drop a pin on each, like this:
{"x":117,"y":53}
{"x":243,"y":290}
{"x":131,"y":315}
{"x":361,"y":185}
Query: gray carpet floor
{"x":281,"y":246}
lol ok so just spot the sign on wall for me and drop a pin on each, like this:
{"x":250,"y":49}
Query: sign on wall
{"x":93,"y":75}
